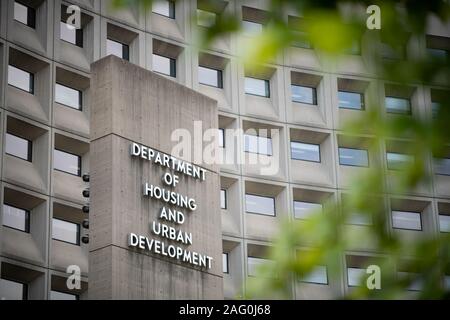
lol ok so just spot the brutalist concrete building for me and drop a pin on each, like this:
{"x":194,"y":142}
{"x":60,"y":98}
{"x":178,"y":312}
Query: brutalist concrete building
{"x":45,"y":97}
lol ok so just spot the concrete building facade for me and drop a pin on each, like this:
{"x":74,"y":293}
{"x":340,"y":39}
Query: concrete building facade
{"x":45,"y":145}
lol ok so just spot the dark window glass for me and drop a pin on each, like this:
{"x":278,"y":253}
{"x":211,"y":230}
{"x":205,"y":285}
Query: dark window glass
{"x":71,"y":34}
{"x":225,"y":263}
{"x":444,"y":223}
{"x":304,"y":94}
{"x":440,"y":54}
{"x":16,"y":218}
{"x":210,"y":77}
{"x":13,"y":290}
{"x":18,"y":147}
{"x":302,"y":209}
{"x":68,"y":96}
{"x":221,"y":138}
{"x":223,"y":198}
{"x":58,"y":295}
{"x":435,"y":106}
{"x":21,"y":79}
{"x":442,"y":166}
{"x":305,"y":151}
{"x":67,"y":162}
{"x":317,"y":275}
{"x":406,"y":220}
{"x":206,"y":18}
{"x":351,"y":100}
{"x":302,"y":40}
{"x":398,"y":105}
{"x":353,"y":157}
{"x":66,"y":231}
{"x":164,"y":65}
{"x":260,"y":204}
{"x":257,"y":87}
{"x":256,"y":144}
{"x":164,"y":8}
{"x":118,"y":49}
{"x":25,"y":14}
{"x":398,"y":161}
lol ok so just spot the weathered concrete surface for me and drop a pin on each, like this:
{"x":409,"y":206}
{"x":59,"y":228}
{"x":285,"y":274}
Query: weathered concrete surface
{"x":132,"y":104}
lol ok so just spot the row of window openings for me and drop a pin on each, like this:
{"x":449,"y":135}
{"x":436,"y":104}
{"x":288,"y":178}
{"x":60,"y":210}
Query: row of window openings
{"x":303,"y":209}
{"x":15,"y":290}
{"x":19,"y":219}
{"x":212,"y":77}
{"x":62,"y":161}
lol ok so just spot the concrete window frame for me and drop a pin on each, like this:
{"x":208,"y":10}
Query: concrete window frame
{"x":33,"y":277}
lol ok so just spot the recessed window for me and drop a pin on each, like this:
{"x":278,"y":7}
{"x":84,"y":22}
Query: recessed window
{"x":164,"y":8}
{"x":223,"y":198}
{"x":71,"y":34}
{"x":354,"y":276}
{"x":303,"y":94}
{"x":58,"y":295}
{"x":118,"y":49}
{"x":24,"y":14}
{"x":67,"y":162}
{"x":303,"y":210}
{"x":164,"y":65}
{"x":301,"y":40}
{"x":357,"y":218}
{"x":16,"y":218}
{"x":18,"y":147}
{"x":66,"y":231}
{"x":225,"y":263}
{"x":257,"y":144}
{"x":260,"y":205}
{"x":21,"y":79}
{"x":435,"y":107}
{"x":206,"y":18}
{"x":351,"y":100}
{"x":254,"y":263}
{"x":398,"y":161}
{"x":210,"y":77}
{"x":442,"y":166}
{"x":398,"y":105}
{"x":353,"y":157}
{"x":13,"y":290}
{"x":415,"y":283}
{"x":440,"y":54}
{"x":68,"y":96}
{"x":406,"y":220}
{"x":221,"y":138}
{"x":317,"y":275}
{"x":305,"y":151}
{"x":257,"y":87}
{"x":251,"y":28}
{"x":444,"y":223}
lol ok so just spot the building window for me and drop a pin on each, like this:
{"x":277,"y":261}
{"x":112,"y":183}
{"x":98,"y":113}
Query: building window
{"x":13,"y":290}
{"x":58,"y":295}
{"x":257,"y":87}
{"x":351,"y":100}
{"x":164,"y":65}
{"x":66,"y":231}
{"x":71,"y":34}
{"x":305,"y":151}
{"x":301,"y":40}
{"x":406,"y":220}
{"x":317,"y":275}
{"x":302,"y":209}
{"x":435,"y":107}
{"x":353,"y":157}
{"x":206,"y":18}
{"x":18,"y":147}
{"x":354,"y":276}
{"x":118,"y":49}
{"x":355,"y":48}
{"x":398,"y":161}
{"x":260,"y":204}
{"x":397,"y":105}
{"x":225,"y":263}
{"x":442,"y":166}
{"x":67,"y":162}
{"x":257,"y":144}
{"x":304,"y":94}
{"x":24,"y":14}
{"x":210,"y":77}
{"x":21,"y":79}
{"x":16,"y":218}
{"x":221,"y":138}
{"x":223,"y":198}
{"x":251,"y":28}
{"x":439,"y":54}
{"x":68,"y":96}
{"x":361,"y":219}
{"x":164,"y":8}
{"x":444,"y":223}
{"x":415,"y":283}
